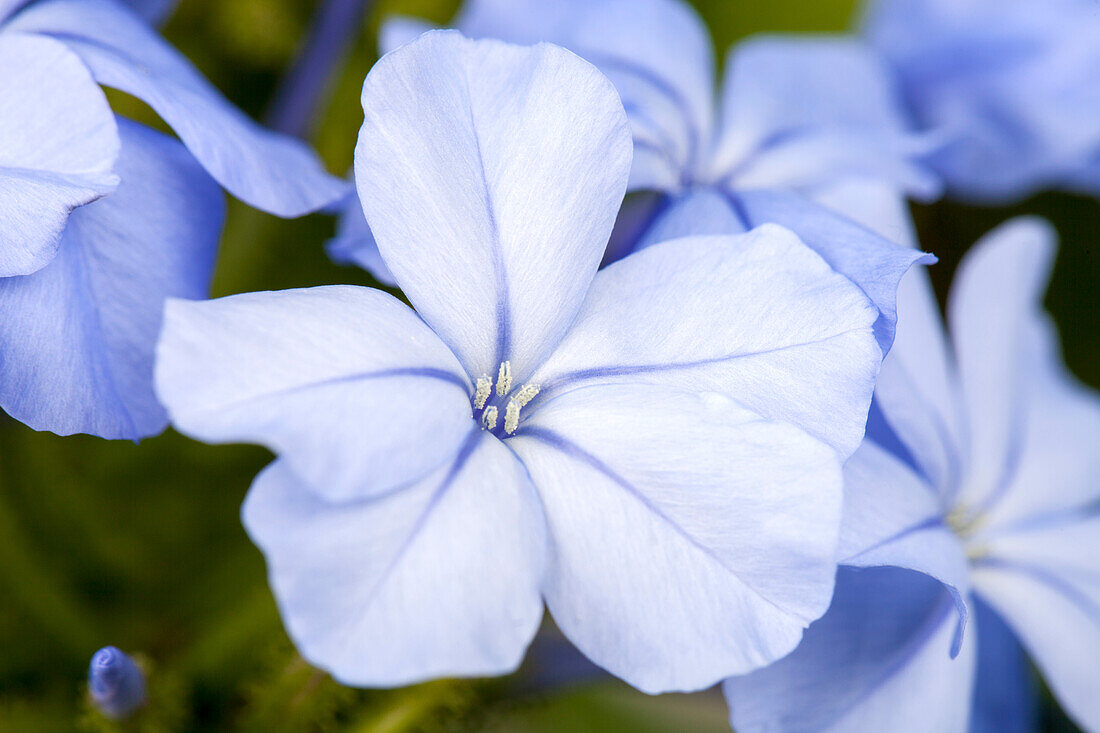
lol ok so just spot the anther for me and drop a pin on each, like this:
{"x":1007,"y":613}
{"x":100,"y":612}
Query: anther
{"x":484,"y":388}
{"x":525,"y":394}
{"x":511,"y":417}
{"x":489,"y":418}
{"x":504,"y":378}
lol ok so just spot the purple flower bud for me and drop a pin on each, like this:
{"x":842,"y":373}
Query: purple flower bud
{"x":115,"y":683}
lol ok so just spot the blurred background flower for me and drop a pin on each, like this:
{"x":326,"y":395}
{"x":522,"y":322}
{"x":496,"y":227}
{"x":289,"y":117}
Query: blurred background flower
{"x":141,"y":546}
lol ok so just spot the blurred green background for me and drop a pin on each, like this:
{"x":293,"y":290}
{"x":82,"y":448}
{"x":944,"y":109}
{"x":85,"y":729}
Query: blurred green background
{"x":141,"y":547}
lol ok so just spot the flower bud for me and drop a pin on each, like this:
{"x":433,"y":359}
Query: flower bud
{"x":115,"y":683}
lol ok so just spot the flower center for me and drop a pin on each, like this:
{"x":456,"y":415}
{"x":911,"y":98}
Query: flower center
{"x":965,"y":523}
{"x":489,"y":405}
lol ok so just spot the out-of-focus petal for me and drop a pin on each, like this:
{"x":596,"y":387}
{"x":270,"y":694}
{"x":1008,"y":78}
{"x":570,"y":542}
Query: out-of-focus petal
{"x":997,"y":291}
{"x":799,"y":111}
{"x":438,"y":579}
{"x":77,"y":337}
{"x":490,"y":175}
{"x":1043,"y":581}
{"x":758,"y":317}
{"x":1055,"y":474}
{"x":657,"y":53}
{"x":893,"y":517}
{"x":1005,"y":700}
{"x":397,"y":30}
{"x":59,"y":147}
{"x":154,"y":11}
{"x":354,"y":243}
{"x":691,"y":538}
{"x":876,"y":661}
{"x":267,"y":170}
{"x":1012,"y":84}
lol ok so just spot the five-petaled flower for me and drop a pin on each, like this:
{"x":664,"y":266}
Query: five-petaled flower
{"x":654,"y":449}
{"x":982,"y":476}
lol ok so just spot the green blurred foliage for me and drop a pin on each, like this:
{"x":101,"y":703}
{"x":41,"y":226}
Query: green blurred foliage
{"x":141,"y":546}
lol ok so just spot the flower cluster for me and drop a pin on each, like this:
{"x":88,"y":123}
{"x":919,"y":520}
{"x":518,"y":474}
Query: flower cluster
{"x":716,"y":430}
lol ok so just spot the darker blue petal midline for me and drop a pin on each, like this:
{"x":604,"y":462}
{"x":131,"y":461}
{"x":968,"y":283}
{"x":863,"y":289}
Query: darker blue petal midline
{"x":620,"y":370}
{"x":427,"y":372}
{"x":570,"y":449}
{"x":461,"y":458}
{"x":1043,"y":577}
{"x":933,"y":522}
{"x":504,"y":314}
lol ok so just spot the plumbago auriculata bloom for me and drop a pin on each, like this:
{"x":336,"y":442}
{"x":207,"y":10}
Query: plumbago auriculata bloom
{"x":653,"y":450}
{"x":978,"y":492}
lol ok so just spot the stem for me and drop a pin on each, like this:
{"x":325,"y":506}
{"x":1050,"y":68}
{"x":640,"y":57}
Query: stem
{"x":296,"y":100}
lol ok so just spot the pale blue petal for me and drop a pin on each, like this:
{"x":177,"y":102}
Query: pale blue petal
{"x":1005,"y":699}
{"x":657,"y":53}
{"x":59,"y":148}
{"x":270,"y":171}
{"x":354,"y":243}
{"x":1057,"y":459}
{"x":801,"y":111}
{"x":1014,"y":83}
{"x":1044,"y":583}
{"x":997,"y":291}
{"x":77,"y":337}
{"x":877,"y":661}
{"x":396,"y":31}
{"x":759,"y":317}
{"x":439,"y":579}
{"x":490,"y":175}
{"x":7,"y":7}
{"x":893,"y":517}
{"x":880,"y":207}
{"x":346,"y":384}
{"x":691,"y":538}
{"x":873,"y":263}
{"x":701,"y":211}
{"x":918,"y":386}
{"x":154,"y":11}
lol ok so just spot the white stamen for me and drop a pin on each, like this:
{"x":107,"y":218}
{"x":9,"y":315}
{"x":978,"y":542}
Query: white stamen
{"x":489,"y":418}
{"x":511,"y":417}
{"x":504,"y":378}
{"x":525,"y":394}
{"x":484,"y":388}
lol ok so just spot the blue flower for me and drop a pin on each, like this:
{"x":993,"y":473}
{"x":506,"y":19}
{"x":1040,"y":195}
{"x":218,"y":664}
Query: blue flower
{"x":272,"y":172}
{"x":653,"y":449}
{"x":809,"y":114}
{"x":115,"y":684}
{"x":988,"y":497}
{"x":1012,"y":83}
{"x":102,"y":219}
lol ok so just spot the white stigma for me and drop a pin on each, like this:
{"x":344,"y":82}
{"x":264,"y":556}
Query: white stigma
{"x":525,"y":394}
{"x":484,"y":388}
{"x":489,"y":418}
{"x":504,"y":378}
